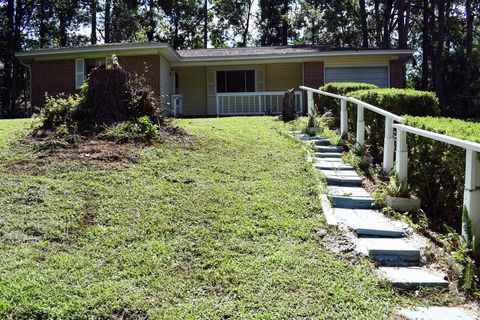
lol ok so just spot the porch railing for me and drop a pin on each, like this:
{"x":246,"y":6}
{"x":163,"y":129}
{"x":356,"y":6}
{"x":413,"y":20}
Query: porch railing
{"x":176,"y":104}
{"x":255,"y":103}
{"x":471,"y":199}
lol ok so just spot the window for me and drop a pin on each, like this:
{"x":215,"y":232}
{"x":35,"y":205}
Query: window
{"x":93,"y":63}
{"x":236,"y":81}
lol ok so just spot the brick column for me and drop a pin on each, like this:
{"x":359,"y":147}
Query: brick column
{"x":313,"y":78}
{"x":397,"y":73}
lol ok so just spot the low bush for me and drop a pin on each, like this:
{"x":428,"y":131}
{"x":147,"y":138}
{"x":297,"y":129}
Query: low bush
{"x":340,"y":88}
{"x":437,"y":169}
{"x":398,"y":101}
{"x":143,"y":129}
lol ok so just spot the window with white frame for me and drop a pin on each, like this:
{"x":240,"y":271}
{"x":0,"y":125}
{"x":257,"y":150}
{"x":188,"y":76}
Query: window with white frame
{"x":236,"y":81}
{"x":84,"y":66}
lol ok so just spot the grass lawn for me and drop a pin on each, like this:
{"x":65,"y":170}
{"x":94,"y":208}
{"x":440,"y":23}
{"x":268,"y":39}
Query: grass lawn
{"x":224,"y":225}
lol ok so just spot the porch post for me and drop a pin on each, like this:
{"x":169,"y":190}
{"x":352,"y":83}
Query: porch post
{"x":471,"y":196}
{"x":218,"y":105}
{"x":388,"y":146}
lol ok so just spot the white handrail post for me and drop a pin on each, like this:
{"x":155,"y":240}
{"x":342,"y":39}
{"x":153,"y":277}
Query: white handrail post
{"x":401,"y":156}
{"x":343,"y":118}
{"x":360,"y":125}
{"x":310,"y":106}
{"x":388,"y":146}
{"x":471,"y":196}
{"x":218,"y":106}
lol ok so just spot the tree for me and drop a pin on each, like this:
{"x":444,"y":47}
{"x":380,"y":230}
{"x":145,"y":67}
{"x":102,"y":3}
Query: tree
{"x":93,"y":21}
{"x":363,"y":20}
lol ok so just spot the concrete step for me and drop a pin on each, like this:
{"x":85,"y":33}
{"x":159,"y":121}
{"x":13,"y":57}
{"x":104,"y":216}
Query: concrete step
{"x":342,"y":178}
{"x":350,"y":197}
{"x":412,"y":277}
{"x":370,"y":223}
{"x":329,"y":149}
{"x":328,"y":154}
{"x":331,"y":165}
{"x":437,"y":313}
{"x":320,"y":141}
{"x":390,"y":252}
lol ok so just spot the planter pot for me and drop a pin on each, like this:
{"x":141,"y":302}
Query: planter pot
{"x":403,"y":204}
{"x":314,"y":130}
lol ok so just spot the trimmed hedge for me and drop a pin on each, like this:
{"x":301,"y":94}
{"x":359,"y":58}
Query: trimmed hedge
{"x":398,"y":101}
{"x":437,"y":169}
{"x":340,"y":88}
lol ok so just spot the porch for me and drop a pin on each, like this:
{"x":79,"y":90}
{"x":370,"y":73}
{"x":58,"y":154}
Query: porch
{"x":244,"y":103}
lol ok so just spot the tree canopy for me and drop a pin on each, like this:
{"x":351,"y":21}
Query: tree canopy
{"x":445,"y":34}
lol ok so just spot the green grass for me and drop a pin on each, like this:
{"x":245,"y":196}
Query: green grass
{"x":133,"y":240}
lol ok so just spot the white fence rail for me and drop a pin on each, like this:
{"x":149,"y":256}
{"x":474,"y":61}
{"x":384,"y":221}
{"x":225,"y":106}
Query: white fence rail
{"x":471,"y":199}
{"x":255,"y":103}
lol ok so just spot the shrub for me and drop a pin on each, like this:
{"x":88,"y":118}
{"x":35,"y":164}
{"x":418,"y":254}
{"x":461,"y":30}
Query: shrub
{"x":398,"y":101}
{"x":143,"y":129}
{"x":61,"y":110}
{"x":340,"y":88}
{"x":437,"y":169}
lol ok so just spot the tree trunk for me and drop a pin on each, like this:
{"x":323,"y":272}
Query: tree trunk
{"x":402,"y":36}
{"x":8,"y":64}
{"x":285,"y":22}
{"x":108,"y":23}
{"x":438,"y":65}
{"x":378,"y":23}
{"x":387,"y":14}
{"x":288,"y":112}
{"x":468,"y":48}
{"x":247,"y":24}
{"x":205,"y":24}
{"x":425,"y":45}
{"x":17,"y":45}
{"x":63,"y":28}
{"x":93,"y":21}
{"x":363,"y":19}
{"x":152,"y":25}
{"x":43,"y":25}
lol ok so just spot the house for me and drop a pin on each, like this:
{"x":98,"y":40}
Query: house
{"x":211,"y":82}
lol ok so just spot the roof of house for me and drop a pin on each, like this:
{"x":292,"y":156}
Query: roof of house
{"x":208,"y":55}
{"x":258,"y":51}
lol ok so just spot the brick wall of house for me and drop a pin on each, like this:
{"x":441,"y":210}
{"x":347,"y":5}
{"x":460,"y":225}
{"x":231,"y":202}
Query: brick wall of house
{"x":397,"y":73}
{"x":58,"y":76}
{"x":147,"y":67}
{"x":313,"y":73}
{"x":52,"y":77}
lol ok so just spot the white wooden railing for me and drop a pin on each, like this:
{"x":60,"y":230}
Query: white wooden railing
{"x":176,"y":103}
{"x":471,"y":199}
{"x":255,"y":103}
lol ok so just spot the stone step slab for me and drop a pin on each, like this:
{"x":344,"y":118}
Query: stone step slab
{"x":328,"y":154}
{"x":352,"y":202}
{"x":320,"y":141}
{"x":328,"y":149}
{"x":332,"y":165}
{"x":390,"y":252}
{"x":437,"y":313}
{"x":370,"y":223}
{"x":412,"y":277}
{"x":342,"y":178}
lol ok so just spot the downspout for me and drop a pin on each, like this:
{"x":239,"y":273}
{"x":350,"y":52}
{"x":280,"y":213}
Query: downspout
{"x":29,"y":67}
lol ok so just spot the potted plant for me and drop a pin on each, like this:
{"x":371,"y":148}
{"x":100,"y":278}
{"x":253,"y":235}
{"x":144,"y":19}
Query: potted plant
{"x":398,"y":197}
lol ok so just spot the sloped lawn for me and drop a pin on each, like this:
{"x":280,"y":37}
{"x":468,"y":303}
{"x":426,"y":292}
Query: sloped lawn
{"x":222,"y":225}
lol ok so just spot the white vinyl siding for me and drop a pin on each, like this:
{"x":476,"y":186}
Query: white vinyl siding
{"x":79,"y":72}
{"x":166,"y":82}
{"x":373,"y":75}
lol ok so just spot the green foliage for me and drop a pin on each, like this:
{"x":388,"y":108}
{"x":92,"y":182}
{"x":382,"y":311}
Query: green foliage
{"x":62,"y":110}
{"x":396,"y":189}
{"x":143,"y":129}
{"x":437,"y":170}
{"x":193,"y":229}
{"x":343,"y":89}
{"x":397,"y":101}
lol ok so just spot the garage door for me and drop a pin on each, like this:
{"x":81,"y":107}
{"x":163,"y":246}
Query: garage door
{"x":374,"y":75}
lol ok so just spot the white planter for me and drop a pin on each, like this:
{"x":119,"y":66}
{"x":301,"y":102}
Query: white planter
{"x":403,"y":204}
